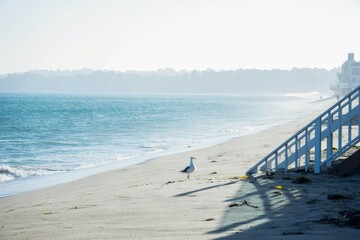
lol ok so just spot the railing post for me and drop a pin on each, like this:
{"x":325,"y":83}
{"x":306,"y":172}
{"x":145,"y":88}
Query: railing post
{"x":329,"y":147}
{"x":349,"y":125}
{"x":266,"y":165}
{"x":358,"y":113}
{"x":340,"y":128}
{"x":317,"y":146}
{"x":296,"y":151}
{"x":307,"y":154}
{"x":286,"y":158}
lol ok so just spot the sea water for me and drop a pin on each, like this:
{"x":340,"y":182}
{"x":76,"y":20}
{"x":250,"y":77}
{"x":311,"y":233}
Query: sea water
{"x":47,"y":134}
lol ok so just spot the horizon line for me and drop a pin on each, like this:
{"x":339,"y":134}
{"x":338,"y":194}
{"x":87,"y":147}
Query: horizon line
{"x":163,"y":69}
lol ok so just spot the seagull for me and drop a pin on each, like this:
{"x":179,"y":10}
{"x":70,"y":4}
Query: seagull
{"x":191,"y":168}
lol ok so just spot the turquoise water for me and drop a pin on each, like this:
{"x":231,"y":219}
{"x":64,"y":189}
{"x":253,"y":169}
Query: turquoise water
{"x":43,"y":134}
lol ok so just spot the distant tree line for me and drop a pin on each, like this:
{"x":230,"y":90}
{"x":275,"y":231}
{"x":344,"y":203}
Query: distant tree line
{"x":170,"y":81}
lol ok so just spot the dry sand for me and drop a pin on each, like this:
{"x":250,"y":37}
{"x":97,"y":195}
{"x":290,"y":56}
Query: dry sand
{"x":153,"y":200}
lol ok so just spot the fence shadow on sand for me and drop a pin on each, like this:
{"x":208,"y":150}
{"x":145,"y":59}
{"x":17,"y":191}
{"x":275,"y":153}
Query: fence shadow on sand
{"x":293,"y":206}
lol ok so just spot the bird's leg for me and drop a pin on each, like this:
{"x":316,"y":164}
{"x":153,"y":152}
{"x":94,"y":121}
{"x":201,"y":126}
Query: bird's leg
{"x":189,"y":176}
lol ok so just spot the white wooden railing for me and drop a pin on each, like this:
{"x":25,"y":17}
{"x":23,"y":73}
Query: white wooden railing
{"x":320,"y":142}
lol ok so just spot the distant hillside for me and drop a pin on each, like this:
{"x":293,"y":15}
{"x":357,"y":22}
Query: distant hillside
{"x":170,"y":81}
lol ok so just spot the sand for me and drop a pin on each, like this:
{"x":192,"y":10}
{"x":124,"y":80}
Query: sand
{"x":153,"y":200}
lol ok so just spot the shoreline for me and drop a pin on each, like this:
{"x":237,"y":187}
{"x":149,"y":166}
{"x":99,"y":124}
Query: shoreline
{"x":153,"y":200}
{"x":11,"y":188}
{"x":32,"y":183}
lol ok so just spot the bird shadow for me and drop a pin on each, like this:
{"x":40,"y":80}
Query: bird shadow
{"x":204,"y":189}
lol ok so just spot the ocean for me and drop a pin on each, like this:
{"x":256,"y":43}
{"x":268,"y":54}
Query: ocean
{"x":49,"y":138}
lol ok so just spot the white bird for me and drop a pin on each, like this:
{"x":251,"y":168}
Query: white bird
{"x":191,"y":168}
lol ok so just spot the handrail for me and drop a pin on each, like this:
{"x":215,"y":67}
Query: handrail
{"x":312,"y":136}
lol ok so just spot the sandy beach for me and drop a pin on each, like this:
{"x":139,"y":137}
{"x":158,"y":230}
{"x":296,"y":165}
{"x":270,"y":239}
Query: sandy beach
{"x":153,"y":200}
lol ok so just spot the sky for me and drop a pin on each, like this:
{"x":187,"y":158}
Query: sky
{"x":147,"y":35}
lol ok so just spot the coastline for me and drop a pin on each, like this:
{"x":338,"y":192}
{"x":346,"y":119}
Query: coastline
{"x":34,"y":155}
{"x":23,"y":185}
{"x":150,"y":200}
{"x":31,"y":183}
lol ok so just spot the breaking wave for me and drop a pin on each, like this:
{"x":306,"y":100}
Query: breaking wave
{"x":8,"y":173}
{"x":304,"y":94}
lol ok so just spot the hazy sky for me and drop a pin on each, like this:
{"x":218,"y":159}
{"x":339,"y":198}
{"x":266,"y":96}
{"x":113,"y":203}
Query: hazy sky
{"x":180,"y":34}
